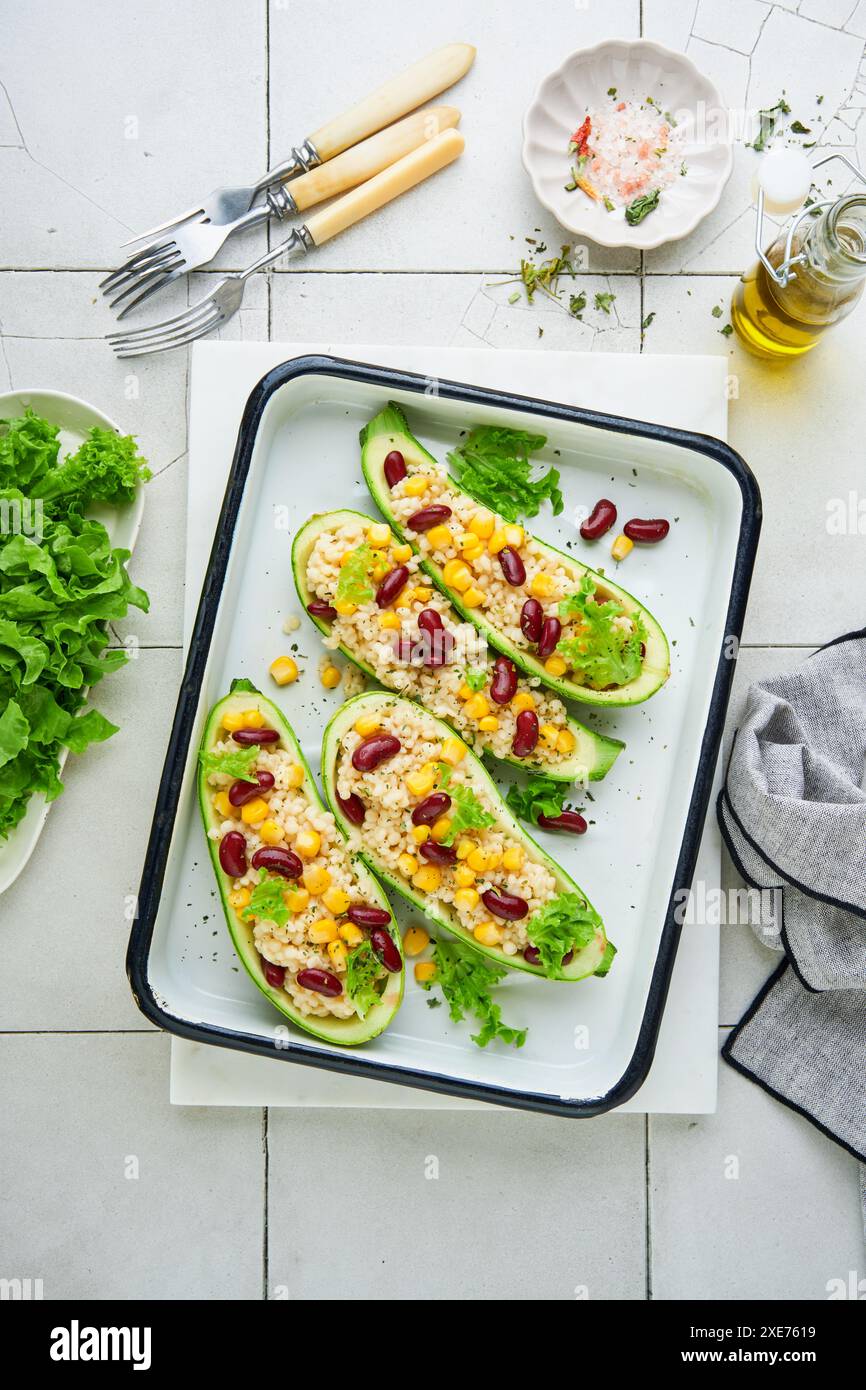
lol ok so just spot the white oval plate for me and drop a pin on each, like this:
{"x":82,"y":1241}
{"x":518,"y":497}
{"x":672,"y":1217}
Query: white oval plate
{"x":75,"y":418}
{"x":637,"y":69}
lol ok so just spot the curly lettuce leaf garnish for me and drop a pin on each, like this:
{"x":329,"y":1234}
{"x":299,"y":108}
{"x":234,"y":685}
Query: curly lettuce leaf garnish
{"x":29,"y":447}
{"x":233,"y":764}
{"x":493,"y":466}
{"x":268,"y":900}
{"x":362,"y":972}
{"x":466,"y":813}
{"x":107,"y":467}
{"x":539,"y":796}
{"x":353,"y":585}
{"x":604,"y":652}
{"x":566,"y":923}
{"x":466,"y":979}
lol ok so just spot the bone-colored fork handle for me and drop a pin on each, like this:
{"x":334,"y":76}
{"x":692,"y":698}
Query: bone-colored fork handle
{"x":376,"y":192}
{"x":419,"y":83}
{"x":361,"y":162}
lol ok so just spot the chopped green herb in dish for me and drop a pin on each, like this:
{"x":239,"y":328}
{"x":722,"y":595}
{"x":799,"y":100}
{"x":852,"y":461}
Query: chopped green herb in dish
{"x":493,"y":466}
{"x":641,"y":208}
{"x":466,"y":813}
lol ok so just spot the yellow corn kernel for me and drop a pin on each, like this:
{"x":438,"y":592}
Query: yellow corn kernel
{"x":271,"y":832}
{"x":415,"y":940}
{"x":541,"y":585}
{"x":421,"y":781}
{"x":424,"y":970}
{"x":489,"y":724}
{"x":621,"y":547}
{"x":323,"y":931}
{"x":232,"y":721}
{"x":389,"y":622}
{"x":420,"y":833}
{"x":512,"y":859}
{"x":465,"y":692}
{"x":427,"y":879}
{"x":498,"y":541}
{"x":440,"y":537}
{"x":482,"y":524}
{"x":345,"y":608}
{"x":379,"y":533}
{"x":401,"y":553}
{"x":555,"y":665}
{"x":439,"y":831}
{"x":253,"y":719}
{"x":422,"y":593}
{"x":295,"y":777}
{"x":239,"y":898}
{"x":297,"y":899}
{"x":472,"y":598}
{"x":404,"y":598}
{"x":367,"y":724}
{"x":331,"y":677}
{"x":316,"y":878}
{"x":464,"y":877}
{"x":467,"y":898}
{"x":337,"y":953}
{"x":346,"y":557}
{"x":416,"y":486}
{"x":477,"y":860}
{"x":307,"y":845}
{"x":565,"y":741}
{"x":457,"y":575}
{"x":514,"y":536}
{"x":352,"y":935}
{"x":470,"y":556}
{"x":494,"y":859}
{"x":407,"y":864}
{"x":222,"y":805}
{"x":488,"y":934}
{"x":550,"y":733}
{"x":254,"y":811}
{"x":477,"y":707}
{"x":284,"y":670}
{"x":523,"y":700}
{"x":467,"y":540}
{"x":380,"y":565}
{"x":336,"y":900}
{"x":465,"y":848}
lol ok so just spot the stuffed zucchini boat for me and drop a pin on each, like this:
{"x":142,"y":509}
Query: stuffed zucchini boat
{"x":578,"y":632}
{"x":310,"y":924}
{"x":422,"y":811}
{"x":360,"y":586}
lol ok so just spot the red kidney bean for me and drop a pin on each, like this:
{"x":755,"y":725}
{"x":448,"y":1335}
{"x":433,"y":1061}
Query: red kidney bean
{"x":599,"y":521}
{"x":506,"y":905}
{"x":391,"y":585}
{"x":322,"y":981}
{"x":366,"y":915}
{"x":376,"y":749}
{"x":571,"y":821}
{"x":274,"y":974}
{"x":531,"y":619}
{"x":512,"y":566}
{"x":404,"y":648}
{"x":352,"y":807}
{"x":504,"y":682}
{"x":385,"y":950}
{"x":649,"y":532}
{"x":241,"y":792}
{"x":429,"y":620}
{"x":395,"y":468}
{"x":551,"y":631}
{"x":532,"y":954}
{"x":525,"y":734}
{"x":319,"y":609}
{"x":278,"y":861}
{"x":246,"y":737}
{"x":437,"y":854}
{"x":569,"y":956}
{"x":428,"y":517}
{"x":233,"y":854}
{"x":431,"y":808}
{"x":436,"y":648}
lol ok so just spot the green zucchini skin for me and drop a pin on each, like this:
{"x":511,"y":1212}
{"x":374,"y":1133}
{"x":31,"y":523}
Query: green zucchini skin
{"x":595,"y":754}
{"x":345,"y":1031}
{"x":593,"y":959}
{"x":388,"y":430}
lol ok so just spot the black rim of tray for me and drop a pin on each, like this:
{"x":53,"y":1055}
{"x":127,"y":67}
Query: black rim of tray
{"x":159,"y":842}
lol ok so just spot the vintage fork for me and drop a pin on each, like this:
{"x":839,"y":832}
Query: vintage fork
{"x":226,"y":298}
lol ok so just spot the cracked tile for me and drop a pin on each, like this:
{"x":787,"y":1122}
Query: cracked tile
{"x":857,"y":23}
{"x":733,"y":24}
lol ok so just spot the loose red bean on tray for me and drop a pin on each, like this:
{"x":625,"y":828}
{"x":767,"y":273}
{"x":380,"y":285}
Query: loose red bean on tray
{"x":509,"y":906}
{"x":274,"y":974}
{"x":551,"y":631}
{"x":319,"y":609}
{"x":431,"y":808}
{"x":649,"y":532}
{"x":437,"y":854}
{"x":570,"y":821}
{"x":428,"y":517}
{"x":241,"y":792}
{"x":391,"y":585}
{"x":385,"y":950}
{"x":368,"y":915}
{"x":376,"y":749}
{"x":525,"y":734}
{"x":246,"y":737}
{"x":504,"y":682}
{"x":278,"y":860}
{"x":352,"y":807}
{"x":599,"y":521}
{"x":531,"y":619}
{"x":233,"y":854}
{"x":322,"y":981}
{"x":395,"y":468}
{"x":513,"y":567}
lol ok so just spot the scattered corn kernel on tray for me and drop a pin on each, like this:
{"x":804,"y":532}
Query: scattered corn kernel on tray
{"x":534,"y":882}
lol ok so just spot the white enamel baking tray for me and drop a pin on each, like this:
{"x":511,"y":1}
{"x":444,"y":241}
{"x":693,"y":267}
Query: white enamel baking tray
{"x":589,"y":1045}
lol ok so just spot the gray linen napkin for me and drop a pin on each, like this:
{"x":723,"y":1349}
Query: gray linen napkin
{"x":792,"y":812}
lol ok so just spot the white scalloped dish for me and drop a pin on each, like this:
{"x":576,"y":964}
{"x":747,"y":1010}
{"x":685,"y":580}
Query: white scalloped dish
{"x":637,"y":70}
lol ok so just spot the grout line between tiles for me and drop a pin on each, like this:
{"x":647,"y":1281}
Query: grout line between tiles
{"x":267,"y":1164}
{"x":648,"y":1213}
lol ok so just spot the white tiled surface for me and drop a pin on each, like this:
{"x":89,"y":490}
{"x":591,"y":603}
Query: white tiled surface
{"x":147,"y":118}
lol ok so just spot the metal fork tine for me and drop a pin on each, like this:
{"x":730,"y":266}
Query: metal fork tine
{"x":175,"y":340}
{"x":195,"y":211}
{"x":132,"y":262}
{"x":137,"y":272}
{"x":155,"y":330}
{"x":168,"y":275}
{"x":143,"y":281}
